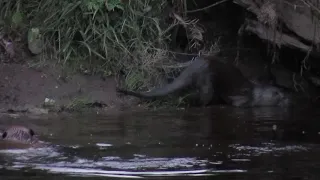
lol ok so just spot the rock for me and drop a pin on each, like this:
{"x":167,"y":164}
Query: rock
{"x":49,"y":102}
{"x":35,"y":42}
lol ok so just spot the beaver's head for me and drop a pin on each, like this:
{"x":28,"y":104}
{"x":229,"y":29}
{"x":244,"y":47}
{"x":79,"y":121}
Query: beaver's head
{"x":19,"y":134}
{"x":270,"y":96}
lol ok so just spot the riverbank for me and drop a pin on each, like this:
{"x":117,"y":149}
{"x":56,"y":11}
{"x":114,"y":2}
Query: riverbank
{"x":43,"y":85}
{"x":47,"y":88}
{"x":27,"y":88}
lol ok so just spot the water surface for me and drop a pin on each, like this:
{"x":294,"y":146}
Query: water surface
{"x":210,"y":143}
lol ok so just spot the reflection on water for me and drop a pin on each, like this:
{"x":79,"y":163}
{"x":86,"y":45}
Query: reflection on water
{"x":224,"y":142}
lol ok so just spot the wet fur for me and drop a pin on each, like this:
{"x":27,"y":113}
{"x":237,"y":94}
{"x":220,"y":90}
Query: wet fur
{"x":19,"y":134}
{"x":213,"y":76}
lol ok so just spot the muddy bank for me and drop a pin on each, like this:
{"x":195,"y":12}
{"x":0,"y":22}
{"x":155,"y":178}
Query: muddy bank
{"x":39,"y":90}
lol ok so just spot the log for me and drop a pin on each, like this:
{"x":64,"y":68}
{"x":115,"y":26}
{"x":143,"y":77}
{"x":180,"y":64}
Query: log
{"x":266,"y":33}
{"x":299,"y":17}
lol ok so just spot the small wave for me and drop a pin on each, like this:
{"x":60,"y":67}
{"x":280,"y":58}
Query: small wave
{"x":103,"y":145}
{"x":26,"y":154}
{"x":131,"y":174}
{"x":140,"y":165}
{"x":268,"y":148}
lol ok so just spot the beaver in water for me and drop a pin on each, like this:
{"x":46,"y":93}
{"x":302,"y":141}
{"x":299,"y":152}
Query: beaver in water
{"x":215,"y":78}
{"x":19,"y":137}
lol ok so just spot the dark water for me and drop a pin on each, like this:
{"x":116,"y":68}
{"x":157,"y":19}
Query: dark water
{"x":212,"y":143}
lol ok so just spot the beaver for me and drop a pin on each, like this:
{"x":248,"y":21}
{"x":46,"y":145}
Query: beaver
{"x":218,"y":79}
{"x":19,"y":137}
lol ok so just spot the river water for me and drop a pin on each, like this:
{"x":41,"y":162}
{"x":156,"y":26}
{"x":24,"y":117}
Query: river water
{"x":210,"y":143}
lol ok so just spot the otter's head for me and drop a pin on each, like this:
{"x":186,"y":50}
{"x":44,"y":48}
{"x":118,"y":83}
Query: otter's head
{"x":19,"y":134}
{"x":270,"y":96}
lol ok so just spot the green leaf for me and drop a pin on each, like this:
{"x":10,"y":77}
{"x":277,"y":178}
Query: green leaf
{"x":17,"y":18}
{"x":112,"y":4}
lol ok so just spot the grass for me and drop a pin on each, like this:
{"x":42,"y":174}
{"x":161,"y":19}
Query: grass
{"x":77,"y":104}
{"x":96,"y":36}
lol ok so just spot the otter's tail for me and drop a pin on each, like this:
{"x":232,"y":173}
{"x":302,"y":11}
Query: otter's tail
{"x":186,"y":78}
{"x":178,"y":84}
{"x":132,"y":93}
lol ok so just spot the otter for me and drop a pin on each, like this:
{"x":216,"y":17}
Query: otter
{"x":218,"y":79}
{"x":19,"y":137}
